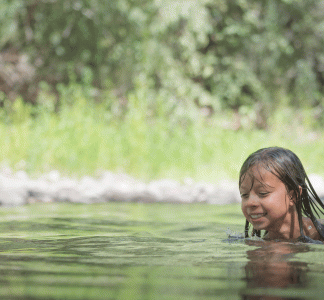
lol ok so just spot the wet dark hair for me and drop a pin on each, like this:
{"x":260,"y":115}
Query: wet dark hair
{"x":285,"y":164}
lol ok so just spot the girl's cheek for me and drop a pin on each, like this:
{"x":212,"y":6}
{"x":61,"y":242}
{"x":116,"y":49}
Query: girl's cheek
{"x":243,"y":209}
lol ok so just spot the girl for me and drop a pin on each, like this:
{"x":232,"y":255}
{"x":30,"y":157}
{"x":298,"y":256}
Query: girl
{"x":278,"y":197}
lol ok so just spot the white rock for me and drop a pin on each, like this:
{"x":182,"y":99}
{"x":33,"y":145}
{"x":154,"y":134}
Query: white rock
{"x":318,"y":184}
{"x":52,"y":176}
{"x":167,"y":190}
{"x":17,"y":189}
{"x":22,"y":175}
{"x":69,"y":194}
{"x":12,"y":196}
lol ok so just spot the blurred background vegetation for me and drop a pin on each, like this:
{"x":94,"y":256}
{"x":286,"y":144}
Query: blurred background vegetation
{"x":159,"y":88}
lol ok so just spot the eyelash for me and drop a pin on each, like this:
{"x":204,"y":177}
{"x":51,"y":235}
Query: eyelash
{"x":262,"y":195}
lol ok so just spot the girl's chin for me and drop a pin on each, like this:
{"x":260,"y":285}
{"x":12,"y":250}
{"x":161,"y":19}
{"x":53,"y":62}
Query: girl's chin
{"x":257,"y":226}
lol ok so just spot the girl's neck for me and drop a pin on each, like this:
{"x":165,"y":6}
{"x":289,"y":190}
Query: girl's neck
{"x":289,"y":228}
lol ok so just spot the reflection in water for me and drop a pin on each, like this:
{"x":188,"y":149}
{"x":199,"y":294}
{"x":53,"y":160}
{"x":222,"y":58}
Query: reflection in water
{"x":122,"y":251}
{"x":269,"y":267}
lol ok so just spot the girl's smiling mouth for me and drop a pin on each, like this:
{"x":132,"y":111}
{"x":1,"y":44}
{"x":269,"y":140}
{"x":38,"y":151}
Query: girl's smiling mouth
{"x":257,"y":216}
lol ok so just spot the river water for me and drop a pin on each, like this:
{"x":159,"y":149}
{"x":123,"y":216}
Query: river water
{"x":148,"y":251}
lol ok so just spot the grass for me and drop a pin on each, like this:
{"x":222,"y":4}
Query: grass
{"x":148,"y":141}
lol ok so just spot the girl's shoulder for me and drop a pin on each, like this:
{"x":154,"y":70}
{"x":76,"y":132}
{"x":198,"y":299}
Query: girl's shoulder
{"x":310,"y":229}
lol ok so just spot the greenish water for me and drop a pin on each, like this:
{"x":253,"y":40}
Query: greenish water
{"x":147,"y":251}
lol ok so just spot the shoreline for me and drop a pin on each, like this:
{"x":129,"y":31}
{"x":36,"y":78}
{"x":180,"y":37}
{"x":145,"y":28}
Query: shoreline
{"x":20,"y":189}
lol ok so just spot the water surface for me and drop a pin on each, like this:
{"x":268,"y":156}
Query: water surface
{"x":147,"y":251}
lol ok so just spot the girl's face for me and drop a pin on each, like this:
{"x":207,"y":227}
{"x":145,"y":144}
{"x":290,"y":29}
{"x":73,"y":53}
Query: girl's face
{"x":266,"y":204}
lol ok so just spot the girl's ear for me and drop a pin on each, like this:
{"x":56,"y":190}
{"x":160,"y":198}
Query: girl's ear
{"x":292,"y":196}
{"x":300,"y":190}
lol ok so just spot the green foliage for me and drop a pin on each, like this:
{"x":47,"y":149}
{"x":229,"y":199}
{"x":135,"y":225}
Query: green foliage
{"x":152,"y":139}
{"x":225,"y":54}
{"x":124,"y":85}
{"x":9,"y":31}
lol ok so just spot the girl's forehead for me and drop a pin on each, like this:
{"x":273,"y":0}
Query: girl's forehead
{"x":258,"y":175}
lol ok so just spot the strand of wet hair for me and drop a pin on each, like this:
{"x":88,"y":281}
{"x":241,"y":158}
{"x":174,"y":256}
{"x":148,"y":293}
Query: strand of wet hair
{"x":315,"y":197}
{"x":254,"y":231}
{"x":246,"y":229}
{"x":300,"y":208}
{"x":313,"y":204}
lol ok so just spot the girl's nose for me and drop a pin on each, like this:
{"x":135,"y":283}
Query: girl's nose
{"x":253,"y":200}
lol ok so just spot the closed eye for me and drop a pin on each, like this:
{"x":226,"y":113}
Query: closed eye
{"x":243,"y":196}
{"x":264,"y":194}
